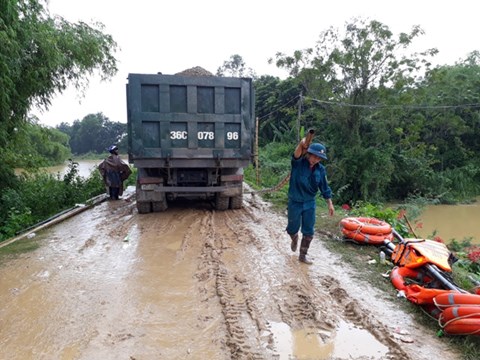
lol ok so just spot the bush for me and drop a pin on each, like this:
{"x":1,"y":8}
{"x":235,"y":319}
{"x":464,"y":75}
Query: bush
{"x":39,"y":195}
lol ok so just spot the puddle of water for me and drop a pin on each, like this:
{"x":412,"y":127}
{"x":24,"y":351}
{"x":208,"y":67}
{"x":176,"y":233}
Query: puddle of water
{"x":364,"y":344}
{"x":348,"y":342}
{"x":307,"y":344}
{"x":174,"y":245}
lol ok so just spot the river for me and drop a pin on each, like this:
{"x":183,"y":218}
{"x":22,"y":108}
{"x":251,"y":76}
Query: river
{"x":85,"y":167}
{"x":451,"y":222}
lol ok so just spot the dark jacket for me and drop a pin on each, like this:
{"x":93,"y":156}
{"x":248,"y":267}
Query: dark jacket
{"x":306,"y":182}
{"x":114,"y":171}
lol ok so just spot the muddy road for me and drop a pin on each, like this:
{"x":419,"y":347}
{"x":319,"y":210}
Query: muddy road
{"x":193,"y":283}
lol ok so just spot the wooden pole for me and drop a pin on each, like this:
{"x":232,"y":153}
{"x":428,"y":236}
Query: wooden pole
{"x":410,"y":226}
{"x":257,"y":165}
{"x":299,"y":115}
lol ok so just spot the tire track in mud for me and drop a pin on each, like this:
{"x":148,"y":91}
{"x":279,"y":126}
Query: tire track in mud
{"x":247,"y":275}
{"x":238,"y":310}
{"x":193,"y":224}
{"x":259,"y":291}
{"x":296,"y":300}
{"x":237,"y":280}
{"x":302,"y":303}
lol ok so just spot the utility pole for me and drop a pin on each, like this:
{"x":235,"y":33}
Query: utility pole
{"x":257,"y":165}
{"x":300,"y":100}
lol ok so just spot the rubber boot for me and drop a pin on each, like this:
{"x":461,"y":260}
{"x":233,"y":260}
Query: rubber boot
{"x":306,"y":240}
{"x":294,"y":242}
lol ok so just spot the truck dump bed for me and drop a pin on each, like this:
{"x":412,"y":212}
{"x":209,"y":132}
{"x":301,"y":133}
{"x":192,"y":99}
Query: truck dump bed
{"x":189,"y":134}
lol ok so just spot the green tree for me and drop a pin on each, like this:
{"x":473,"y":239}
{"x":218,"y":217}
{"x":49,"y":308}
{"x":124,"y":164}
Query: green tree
{"x":39,"y":56}
{"x":236,"y":67}
{"x":452,"y":122}
{"x":344,"y":75}
{"x":38,"y":145}
{"x":277,"y":109}
{"x":94,"y":133}
{"x":448,"y":125}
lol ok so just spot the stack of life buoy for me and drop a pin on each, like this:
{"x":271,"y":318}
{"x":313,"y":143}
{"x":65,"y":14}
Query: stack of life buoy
{"x":366,"y":230}
{"x":458,"y":313}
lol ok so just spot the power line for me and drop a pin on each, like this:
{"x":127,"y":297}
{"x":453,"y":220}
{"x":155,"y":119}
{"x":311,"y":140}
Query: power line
{"x":374,"y":106}
{"x":380,"y":106}
{"x":280,"y":107}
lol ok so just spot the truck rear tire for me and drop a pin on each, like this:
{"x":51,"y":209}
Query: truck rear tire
{"x":221,"y":202}
{"x":144,"y":207}
{"x":236,"y":202}
{"x":159,"y":206}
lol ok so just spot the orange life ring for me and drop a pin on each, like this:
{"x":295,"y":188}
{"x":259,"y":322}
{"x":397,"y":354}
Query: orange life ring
{"x":467,"y":326}
{"x":366,"y":225}
{"x":399,"y":273}
{"x":367,"y":238}
{"x":459,"y":312}
{"x":443,"y":301}
{"x":415,"y":293}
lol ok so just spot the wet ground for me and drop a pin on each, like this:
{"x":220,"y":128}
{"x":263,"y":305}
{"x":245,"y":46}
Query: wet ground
{"x":193,"y":283}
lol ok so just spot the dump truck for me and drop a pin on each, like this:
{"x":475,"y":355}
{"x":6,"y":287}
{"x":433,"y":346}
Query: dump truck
{"x":189,"y":136}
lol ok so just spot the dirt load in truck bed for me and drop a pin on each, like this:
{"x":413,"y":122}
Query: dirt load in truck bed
{"x":193,"y":283}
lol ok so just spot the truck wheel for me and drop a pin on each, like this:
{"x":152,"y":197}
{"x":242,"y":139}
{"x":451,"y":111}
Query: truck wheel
{"x":221,"y":202}
{"x":144,"y":207}
{"x":236,"y":202}
{"x":159,"y":206}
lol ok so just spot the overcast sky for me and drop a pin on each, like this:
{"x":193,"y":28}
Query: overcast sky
{"x":173,"y":35}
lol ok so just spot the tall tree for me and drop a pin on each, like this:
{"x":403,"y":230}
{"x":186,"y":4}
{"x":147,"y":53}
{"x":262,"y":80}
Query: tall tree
{"x":94,"y":133}
{"x":276,"y":108}
{"x":453,"y":120}
{"x":36,"y":145}
{"x":345,"y":74}
{"x":235,"y":67}
{"x":40,"y":55}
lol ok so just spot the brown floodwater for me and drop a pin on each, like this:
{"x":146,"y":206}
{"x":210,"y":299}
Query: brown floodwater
{"x":450,"y":222}
{"x":85,"y":168}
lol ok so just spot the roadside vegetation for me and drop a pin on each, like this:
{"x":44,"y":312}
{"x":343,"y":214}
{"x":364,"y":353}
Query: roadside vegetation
{"x":40,"y":56}
{"x":40,"y":195}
